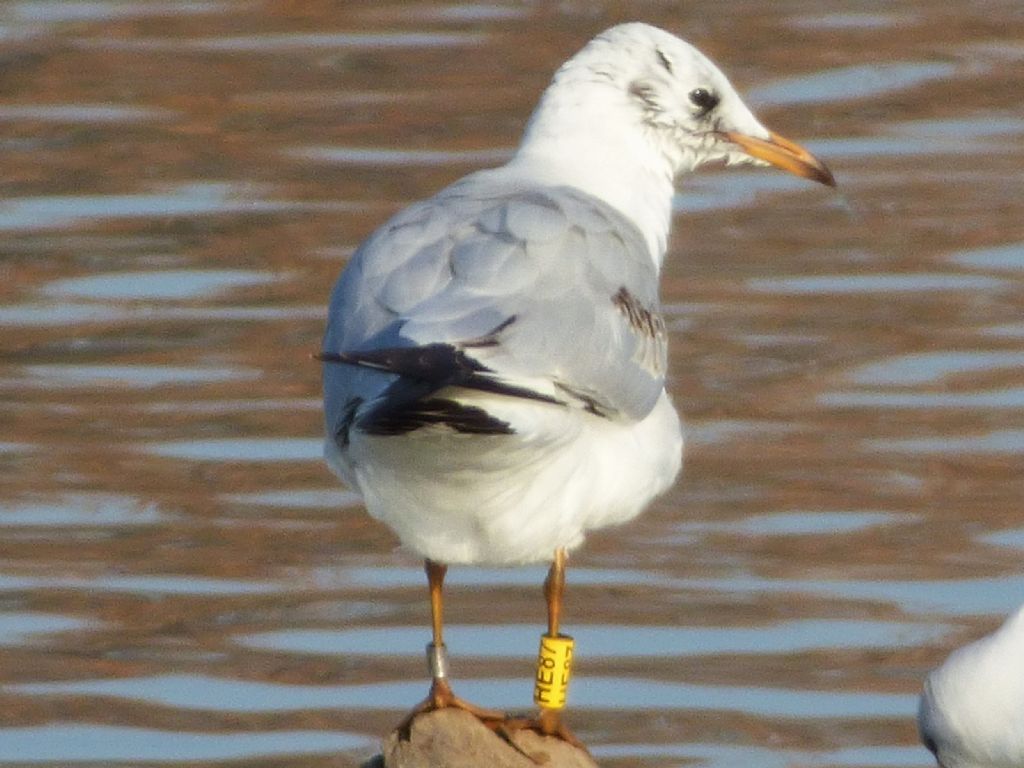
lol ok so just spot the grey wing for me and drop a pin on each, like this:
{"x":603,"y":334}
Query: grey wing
{"x":588,"y":319}
{"x":547,"y":294}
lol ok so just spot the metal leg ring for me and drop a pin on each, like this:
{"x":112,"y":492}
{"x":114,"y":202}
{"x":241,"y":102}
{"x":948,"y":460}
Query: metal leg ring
{"x":437,"y":661}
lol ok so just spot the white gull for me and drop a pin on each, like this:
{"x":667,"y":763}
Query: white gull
{"x":971,"y":713}
{"x":495,"y":357}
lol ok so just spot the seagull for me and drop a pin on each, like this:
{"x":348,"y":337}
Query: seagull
{"x":971,"y":713}
{"x":494,"y":360}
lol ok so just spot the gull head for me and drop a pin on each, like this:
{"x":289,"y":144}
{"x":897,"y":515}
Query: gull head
{"x":644,"y":93}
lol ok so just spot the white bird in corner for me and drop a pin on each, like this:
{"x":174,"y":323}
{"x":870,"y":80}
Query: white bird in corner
{"x":971,"y":713}
{"x":494,"y":360}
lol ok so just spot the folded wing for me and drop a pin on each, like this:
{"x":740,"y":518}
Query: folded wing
{"x":543,"y":294}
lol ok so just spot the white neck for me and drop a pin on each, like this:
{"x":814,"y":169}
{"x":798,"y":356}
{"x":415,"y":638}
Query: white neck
{"x":573,"y":140}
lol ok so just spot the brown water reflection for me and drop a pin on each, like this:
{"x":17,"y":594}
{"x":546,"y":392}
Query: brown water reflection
{"x":181,"y":580}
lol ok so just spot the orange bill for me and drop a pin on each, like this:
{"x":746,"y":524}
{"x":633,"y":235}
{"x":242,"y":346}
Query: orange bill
{"x":784,"y":154}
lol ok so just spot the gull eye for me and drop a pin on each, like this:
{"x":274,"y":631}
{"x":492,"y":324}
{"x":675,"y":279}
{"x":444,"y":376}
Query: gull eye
{"x":704,"y":99}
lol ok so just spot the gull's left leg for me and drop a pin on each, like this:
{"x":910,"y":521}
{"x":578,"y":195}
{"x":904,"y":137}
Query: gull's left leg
{"x":441,"y":695}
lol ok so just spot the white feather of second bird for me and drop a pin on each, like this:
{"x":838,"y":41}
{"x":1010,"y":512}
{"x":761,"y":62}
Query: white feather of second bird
{"x":971,"y":713}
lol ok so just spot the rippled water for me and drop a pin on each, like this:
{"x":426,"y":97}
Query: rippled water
{"x":182,"y":582}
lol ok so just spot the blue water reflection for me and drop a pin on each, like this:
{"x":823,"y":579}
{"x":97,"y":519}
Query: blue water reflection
{"x":996,"y":442}
{"x":844,"y":84}
{"x":189,"y":199}
{"x":326,"y":498}
{"x":1003,"y":257}
{"x":589,"y":693}
{"x":81,"y":509}
{"x":1012,"y":398}
{"x":242,"y":449}
{"x":931,"y":367}
{"x":390,"y":156}
{"x":291,"y":43}
{"x":20,"y":628}
{"x":603,"y":641}
{"x":141,"y":584}
{"x":82,"y":113}
{"x":74,"y":743}
{"x":60,"y":11}
{"x":1012,"y":538}
{"x":879,"y":283}
{"x":953,"y":597}
{"x":162,"y":285}
{"x":131,"y":376}
{"x":821,"y":522}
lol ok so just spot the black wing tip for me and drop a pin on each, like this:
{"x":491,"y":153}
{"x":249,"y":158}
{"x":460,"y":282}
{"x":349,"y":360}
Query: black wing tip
{"x":437,"y":366}
{"x":391,"y":420}
{"x":432,"y":363}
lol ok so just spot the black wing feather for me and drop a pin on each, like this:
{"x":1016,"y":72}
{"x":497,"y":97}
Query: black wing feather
{"x":408,"y":403}
{"x":437,"y":365}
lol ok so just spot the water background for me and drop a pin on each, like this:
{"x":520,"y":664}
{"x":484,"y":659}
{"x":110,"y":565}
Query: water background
{"x":183,"y":583}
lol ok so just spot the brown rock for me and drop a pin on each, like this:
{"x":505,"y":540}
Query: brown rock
{"x":451,"y":738}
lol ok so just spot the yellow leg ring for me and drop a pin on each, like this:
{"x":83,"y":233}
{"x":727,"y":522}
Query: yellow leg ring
{"x":554,"y":667}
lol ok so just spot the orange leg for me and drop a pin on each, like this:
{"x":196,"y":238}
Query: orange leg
{"x":549,"y":721}
{"x":440,"y":695}
{"x":554,"y":590}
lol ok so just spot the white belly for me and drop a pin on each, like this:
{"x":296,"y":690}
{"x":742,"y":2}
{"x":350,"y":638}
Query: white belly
{"x":501,"y":499}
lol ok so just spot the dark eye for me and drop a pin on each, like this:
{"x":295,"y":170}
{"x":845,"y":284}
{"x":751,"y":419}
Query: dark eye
{"x":704,"y":99}
{"x":664,"y":60}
